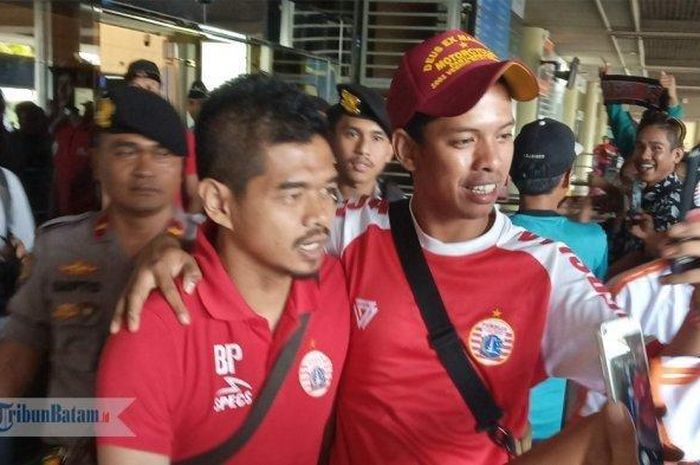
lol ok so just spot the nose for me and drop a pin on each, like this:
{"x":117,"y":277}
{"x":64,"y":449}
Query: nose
{"x":362,"y":146}
{"x":487,"y":156}
{"x":145,"y":165}
{"x":644,"y":153}
{"x":319,"y":210}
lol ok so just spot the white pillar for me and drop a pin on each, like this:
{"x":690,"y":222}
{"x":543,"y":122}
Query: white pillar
{"x":531,"y":46}
{"x":42,"y":51}
{"x":691,"y":134}
{"x":602,"y":128}
{"x":590,"y":116}
{"x":571,"y":97}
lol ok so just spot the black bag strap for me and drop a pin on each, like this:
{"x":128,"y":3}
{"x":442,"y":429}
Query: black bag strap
{"x":442,"y":335}
{"x":227,"y":449}
{"x":6,"y":202}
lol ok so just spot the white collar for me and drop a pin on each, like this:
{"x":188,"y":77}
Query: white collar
{"x":455,"y":249}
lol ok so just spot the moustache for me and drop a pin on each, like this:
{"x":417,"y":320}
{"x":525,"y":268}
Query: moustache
{"x":314,"y":234}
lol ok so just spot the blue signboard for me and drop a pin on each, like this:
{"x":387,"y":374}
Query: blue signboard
{"x":493,"y":25}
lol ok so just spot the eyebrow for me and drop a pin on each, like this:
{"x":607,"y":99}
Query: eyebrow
{"x":468,"y":129}
{"x":124,"y":143}
{"x":358,"y":129}
{"x":287,"y":185}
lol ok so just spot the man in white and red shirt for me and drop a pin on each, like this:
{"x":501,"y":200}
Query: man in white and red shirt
{"x":270,"y":201}
{"x":661,"y":310}
{"x":525,"y":307}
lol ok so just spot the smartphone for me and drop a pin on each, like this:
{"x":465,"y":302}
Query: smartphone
{"x":637,"y":193}
{"x":626,"y":370}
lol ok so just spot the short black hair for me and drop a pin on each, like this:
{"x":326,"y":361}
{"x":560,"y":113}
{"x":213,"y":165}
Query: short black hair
{"x":416,"y":126}
{"x":245,"y":115}
{"x":675,"y":129}
{"x":538,"y":186}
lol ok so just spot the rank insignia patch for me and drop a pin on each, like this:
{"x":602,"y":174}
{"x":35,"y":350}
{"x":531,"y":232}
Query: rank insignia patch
{"x":78,"y":268}
{"x":68,"y":311}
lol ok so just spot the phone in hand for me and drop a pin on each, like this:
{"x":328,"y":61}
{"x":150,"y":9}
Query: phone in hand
{"x":626,"y":370}
{"x":636,"y":201}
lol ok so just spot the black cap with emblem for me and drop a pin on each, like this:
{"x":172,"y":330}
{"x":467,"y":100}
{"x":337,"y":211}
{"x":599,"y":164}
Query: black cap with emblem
{"x":139,"y":111}
{"x":544,"y":149}
{"x":362,"y":102}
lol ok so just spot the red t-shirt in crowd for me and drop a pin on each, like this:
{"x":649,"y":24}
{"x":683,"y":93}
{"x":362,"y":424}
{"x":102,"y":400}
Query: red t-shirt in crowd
{"x":525,"y":307}
{"x":191,"y":160}
{"x":74,"y":185}
{"x":194,"y":385}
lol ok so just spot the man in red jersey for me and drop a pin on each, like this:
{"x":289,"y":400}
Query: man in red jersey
{"x":524,"y":307}
{"x":269,"y":189}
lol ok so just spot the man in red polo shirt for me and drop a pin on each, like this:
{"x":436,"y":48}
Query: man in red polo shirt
{"x":269,"y":188}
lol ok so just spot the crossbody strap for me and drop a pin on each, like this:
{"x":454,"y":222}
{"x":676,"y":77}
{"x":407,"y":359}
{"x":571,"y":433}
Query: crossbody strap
{"x":227,"y":449}
{"x":442,"y":335}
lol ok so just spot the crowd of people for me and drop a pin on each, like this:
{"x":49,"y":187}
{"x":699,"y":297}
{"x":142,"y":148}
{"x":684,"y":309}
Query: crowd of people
{"x":272,"y":299}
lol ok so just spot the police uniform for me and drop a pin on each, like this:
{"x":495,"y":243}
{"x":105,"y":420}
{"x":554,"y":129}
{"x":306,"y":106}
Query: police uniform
{"x":362,"y":102}
{"x":65,"y":307}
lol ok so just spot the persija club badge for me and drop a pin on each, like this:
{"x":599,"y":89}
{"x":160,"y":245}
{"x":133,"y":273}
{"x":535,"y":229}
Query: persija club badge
{"x":491,"y":340}
{"x":315,"y":373}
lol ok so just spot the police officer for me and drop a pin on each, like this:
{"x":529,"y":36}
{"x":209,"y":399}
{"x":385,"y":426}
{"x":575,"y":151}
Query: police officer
{"x":361,"y":140}
{"x":144,"y":74}
{"x":82,"y":262}
{"x":196,"y":97}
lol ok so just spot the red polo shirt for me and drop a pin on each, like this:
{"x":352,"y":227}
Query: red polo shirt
{"x":194,"y":385}
{"x":74,"y":186}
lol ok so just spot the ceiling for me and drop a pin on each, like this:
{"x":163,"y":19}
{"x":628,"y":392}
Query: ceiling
{"x":637,"y":37}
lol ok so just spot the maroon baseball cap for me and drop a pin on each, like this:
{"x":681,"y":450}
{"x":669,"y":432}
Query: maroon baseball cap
{"x":448,"y":74}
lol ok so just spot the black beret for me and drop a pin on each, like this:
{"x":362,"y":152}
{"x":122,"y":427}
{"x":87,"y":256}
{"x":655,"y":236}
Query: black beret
{"x":362,"y":102}
{"x":143,"y":68}
{"x":134,"y":110}
{"x":198,"y":91}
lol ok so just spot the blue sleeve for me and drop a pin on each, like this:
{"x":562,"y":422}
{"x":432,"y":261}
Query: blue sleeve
{"x":602,"y":269}
{"x":676,"y":111}
{"x":623,"y":128}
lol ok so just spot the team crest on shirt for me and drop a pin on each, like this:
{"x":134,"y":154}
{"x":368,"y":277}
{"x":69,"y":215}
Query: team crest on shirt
{"x":364,"y":311}
{"x":315,"y":373}
{"x":491,"y":340}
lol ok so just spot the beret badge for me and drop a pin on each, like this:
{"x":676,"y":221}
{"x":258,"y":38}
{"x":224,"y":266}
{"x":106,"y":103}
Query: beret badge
{"x":103,"y":115}
{"x":350,"y":102}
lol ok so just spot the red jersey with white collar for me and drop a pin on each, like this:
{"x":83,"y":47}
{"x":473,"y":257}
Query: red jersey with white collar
{"x":661,"y":310}
{"x":194,"y":385}
{"x":525,"y":307}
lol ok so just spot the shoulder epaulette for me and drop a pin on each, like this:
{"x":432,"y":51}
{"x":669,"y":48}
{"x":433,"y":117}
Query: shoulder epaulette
{"x":65,"y":220}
